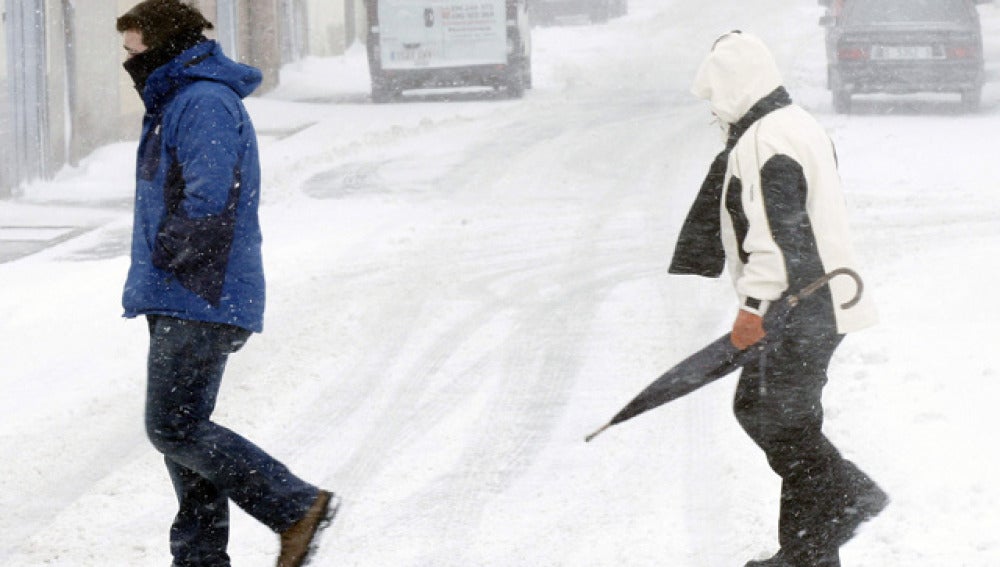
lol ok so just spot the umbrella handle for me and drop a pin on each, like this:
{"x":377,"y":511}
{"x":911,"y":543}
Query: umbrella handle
{"x":810,"y":289}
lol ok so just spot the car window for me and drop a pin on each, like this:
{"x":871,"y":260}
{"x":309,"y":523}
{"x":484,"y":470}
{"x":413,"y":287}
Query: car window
{"x":907,"y":11}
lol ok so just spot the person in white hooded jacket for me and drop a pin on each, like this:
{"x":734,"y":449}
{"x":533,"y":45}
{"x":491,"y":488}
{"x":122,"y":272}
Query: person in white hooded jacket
{"x":772,"y":210}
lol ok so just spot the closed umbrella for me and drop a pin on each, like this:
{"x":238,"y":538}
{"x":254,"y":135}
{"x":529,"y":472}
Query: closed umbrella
{"x":720,"y":357}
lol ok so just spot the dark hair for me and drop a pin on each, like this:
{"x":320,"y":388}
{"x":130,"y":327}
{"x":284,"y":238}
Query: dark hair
{"x":160,"y":21}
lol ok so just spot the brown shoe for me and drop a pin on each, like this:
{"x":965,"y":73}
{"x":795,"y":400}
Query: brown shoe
{"x":299,"y":542}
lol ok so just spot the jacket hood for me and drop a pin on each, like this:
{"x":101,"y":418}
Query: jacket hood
{"x":203,"y":62}
{"x":738,"y":72}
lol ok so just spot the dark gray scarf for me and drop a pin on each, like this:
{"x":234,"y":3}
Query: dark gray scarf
{"x":699,"y":250}
{"x":142,"y":65}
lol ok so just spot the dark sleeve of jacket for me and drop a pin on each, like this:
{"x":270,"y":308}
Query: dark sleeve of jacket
{"x":785,"y":191}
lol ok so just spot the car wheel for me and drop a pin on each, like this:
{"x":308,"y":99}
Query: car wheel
{"x":382,"y":94}
{"x":527,"y":74}
{"x":600,"y":11}
{"x":972,"y":98}
{"x":841,"y":101}
{"x":515,"y":81}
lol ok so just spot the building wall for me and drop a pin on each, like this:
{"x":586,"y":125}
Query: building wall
{"x":3,"y":46}
{"x":56,"y":101}
{"x":260,"y":40}
{"x":6,"y":114}
{"x":327,"y":27}
{"x":29,"y":149}
{"x":103,"y":104}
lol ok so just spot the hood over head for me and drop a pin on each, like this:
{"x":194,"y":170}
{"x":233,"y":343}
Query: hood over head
{"x":738,"y":72}
{"x":203,"y":62}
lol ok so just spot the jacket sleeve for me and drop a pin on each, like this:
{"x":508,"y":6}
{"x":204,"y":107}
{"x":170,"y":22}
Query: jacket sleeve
{"x":197,"y":233}
{"x":780,"y":242}
{"x":208,"y":146}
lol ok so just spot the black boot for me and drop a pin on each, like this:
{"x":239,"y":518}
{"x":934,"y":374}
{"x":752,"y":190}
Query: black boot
{"x":777,"y":561}
{"x":864,"y":501}
{"x":782,"y":559}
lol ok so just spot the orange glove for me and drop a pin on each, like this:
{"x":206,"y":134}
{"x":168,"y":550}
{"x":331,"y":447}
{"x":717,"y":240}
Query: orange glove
{"x":747,"y":330}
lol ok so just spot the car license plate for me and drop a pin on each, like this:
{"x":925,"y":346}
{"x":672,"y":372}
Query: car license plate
{"x":902,"y":52}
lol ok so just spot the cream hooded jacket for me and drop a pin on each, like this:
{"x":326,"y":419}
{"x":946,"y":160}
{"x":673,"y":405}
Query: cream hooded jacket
{"x":783,"y":215}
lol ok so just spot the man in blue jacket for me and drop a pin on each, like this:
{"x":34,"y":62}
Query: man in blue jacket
{"x":197,"y":277}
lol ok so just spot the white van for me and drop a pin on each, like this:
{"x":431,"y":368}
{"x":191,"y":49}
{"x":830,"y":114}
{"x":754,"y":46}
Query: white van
{"x":417,"y":44}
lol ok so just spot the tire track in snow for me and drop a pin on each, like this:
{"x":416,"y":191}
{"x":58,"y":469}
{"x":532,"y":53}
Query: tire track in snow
{"x":518,"y":427}
{"x":508,"y":435}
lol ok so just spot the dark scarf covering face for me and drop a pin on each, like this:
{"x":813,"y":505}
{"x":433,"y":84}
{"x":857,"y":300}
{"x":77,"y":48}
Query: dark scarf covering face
{"x":142,"y":65}
{"x":699,"y":250}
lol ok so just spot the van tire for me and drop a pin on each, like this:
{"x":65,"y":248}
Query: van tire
{"x":972,"y":98}
{"x":600,"y":11}
{"x":841,"y":101}
{"x":383,"y":95}
{"x":515,"y":81}
{"x":382,"y":92}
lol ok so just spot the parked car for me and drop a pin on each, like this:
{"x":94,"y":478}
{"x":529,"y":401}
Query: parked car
{"x":426,"y":44}
{"x":903,"y":46}
{"x":599,"y":11}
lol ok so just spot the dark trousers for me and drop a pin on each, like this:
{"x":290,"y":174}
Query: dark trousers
{"x":779,"y":404}
{"x":209,"y":464}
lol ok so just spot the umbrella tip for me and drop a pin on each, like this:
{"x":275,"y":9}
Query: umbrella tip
{"x":596,"y":433}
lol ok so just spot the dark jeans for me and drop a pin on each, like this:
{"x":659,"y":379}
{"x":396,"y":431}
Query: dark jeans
{"x":779,"y":404}
{"x":208,"y":464}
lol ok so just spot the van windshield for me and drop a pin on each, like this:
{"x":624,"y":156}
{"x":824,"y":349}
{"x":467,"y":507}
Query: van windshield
{"x":908,"y":11}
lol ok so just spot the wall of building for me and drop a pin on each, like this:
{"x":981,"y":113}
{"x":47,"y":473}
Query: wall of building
{"x":56,"y":85}
{"x":30,"y":140}
{"x":103,"y":104}
{"x":327,"y":27}
{"x":3,"y":48}
{"x":6,"y":115}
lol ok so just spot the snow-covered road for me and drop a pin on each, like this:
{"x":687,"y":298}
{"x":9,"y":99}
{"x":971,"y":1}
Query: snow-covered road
{"x":460,"y":291}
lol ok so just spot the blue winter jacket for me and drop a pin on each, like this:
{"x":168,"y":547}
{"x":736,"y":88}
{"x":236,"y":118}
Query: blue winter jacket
{"x":196,"y":241}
